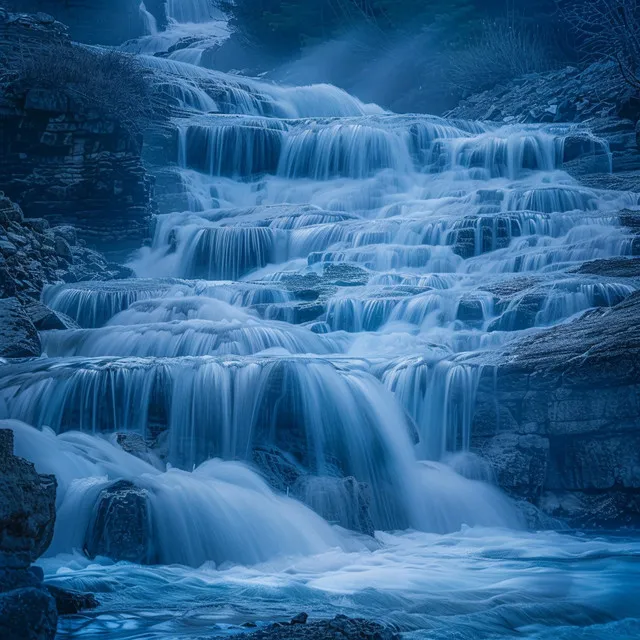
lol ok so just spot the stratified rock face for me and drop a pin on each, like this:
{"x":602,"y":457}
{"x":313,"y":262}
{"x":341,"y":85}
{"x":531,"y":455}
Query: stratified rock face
{"x":120,"y":528}
{"x":559,"y":418}
{"x":95,"y":21}
{"x":18,"y":335}
{"x":65,"y":163}
{"x":27,"y":518}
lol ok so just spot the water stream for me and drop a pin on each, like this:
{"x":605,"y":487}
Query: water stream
{"x":329,"y":292}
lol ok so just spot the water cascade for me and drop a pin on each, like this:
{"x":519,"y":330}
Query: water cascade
{"x":312,"y":328}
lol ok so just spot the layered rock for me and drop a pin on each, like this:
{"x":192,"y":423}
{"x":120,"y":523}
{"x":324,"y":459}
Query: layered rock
{"x":27,"y":517}
{"x":63,"y":161}
{"x":559,"y":418}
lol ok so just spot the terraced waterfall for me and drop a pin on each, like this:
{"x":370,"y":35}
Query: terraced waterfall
{"x":300,"y":351}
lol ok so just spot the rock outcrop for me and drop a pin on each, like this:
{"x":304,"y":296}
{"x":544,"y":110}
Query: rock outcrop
{"x":559,"y":418}
{"x":341,"y":628}
{"x":32,"y":254}
{"x":595,"y":96}
{"x":62,"y":161}
{"x":18,"y":335}
{"x":27,"y":517}
{"x":120,"y":525}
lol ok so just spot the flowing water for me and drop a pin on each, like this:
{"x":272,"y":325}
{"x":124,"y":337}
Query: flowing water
{"x":328,"y":291}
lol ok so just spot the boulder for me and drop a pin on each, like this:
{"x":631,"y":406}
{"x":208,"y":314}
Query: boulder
{"x":46,"y":319}
{"x":18,"y":335}
{"x":27,"y":507}
{"x":120,"y":527}
{"x":341,"y":627}
{"x":70,"y":602}
{"x":27,"y":614}
{"x":342,"y":501}
{"x":27,"y":518}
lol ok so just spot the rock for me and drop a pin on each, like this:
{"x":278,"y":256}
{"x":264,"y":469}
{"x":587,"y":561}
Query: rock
{"x":63,"y":249}
{"x":27,"y":519}
{"x":27,"y":614}
{"x":46,"y":319}
{"x":67,"y":233}
{"x":343,"y":501}
{"x":18,"y":336}
{"x":70,"y":602}
{"x":340,"y":628}
{"x":519,"y":462}
{"x":558,"y":416}
{"x":120,"y":525}
{"x":61,"y":161}
{"x":137,"y":446}
{"x":301,"y":618}
{"x":611,"y":267}
{"x":278,"y":468}
{"x":27,"y":507}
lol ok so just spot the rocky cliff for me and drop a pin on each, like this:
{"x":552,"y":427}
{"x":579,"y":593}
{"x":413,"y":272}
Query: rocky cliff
{"x":559,"y":417}
{"x":63,"y":161}
{"x":27,"y":517}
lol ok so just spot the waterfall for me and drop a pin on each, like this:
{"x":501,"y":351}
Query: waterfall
{"x":315,"y":325}
{"x":148,"y":21}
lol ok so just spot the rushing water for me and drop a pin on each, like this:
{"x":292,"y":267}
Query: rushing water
{"x":333,"y":271}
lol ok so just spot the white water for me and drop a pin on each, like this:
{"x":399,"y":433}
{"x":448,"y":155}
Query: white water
{"x":332,"y":291}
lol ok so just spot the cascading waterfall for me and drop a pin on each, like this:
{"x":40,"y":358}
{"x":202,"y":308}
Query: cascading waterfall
{"x":319,"y":320}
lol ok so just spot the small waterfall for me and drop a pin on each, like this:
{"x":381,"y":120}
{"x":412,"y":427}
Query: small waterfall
{"x":220,"y":512}
{"x":148,"y":20}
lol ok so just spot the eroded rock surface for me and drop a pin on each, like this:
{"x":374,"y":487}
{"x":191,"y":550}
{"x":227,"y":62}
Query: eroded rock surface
{"x":559,"y":418}
{"x":27,"y":518}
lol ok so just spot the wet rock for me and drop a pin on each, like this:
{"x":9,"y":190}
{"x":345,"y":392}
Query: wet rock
{"x":559,"y":417}
{"x":612,"y":268}
{"x":342,"y":501}
{"x":27,"y":507}
{"x":70,"y":602}
{"x":27,"y":614}
{"x":18,"y":336}
{"x":63,"y":249}
{"x":279,"y":470}
{"x":120,"y":525}
{"x":46,"y":319}
{"x":27,"y":518}
{"x":340,"y":628}
{"x":139,"y":447}
{"x":519,"y":462}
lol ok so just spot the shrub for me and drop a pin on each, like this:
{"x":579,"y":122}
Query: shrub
{"x":608,"y":29}
{"x":110,"y":82}
{"x":501,"y":51}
